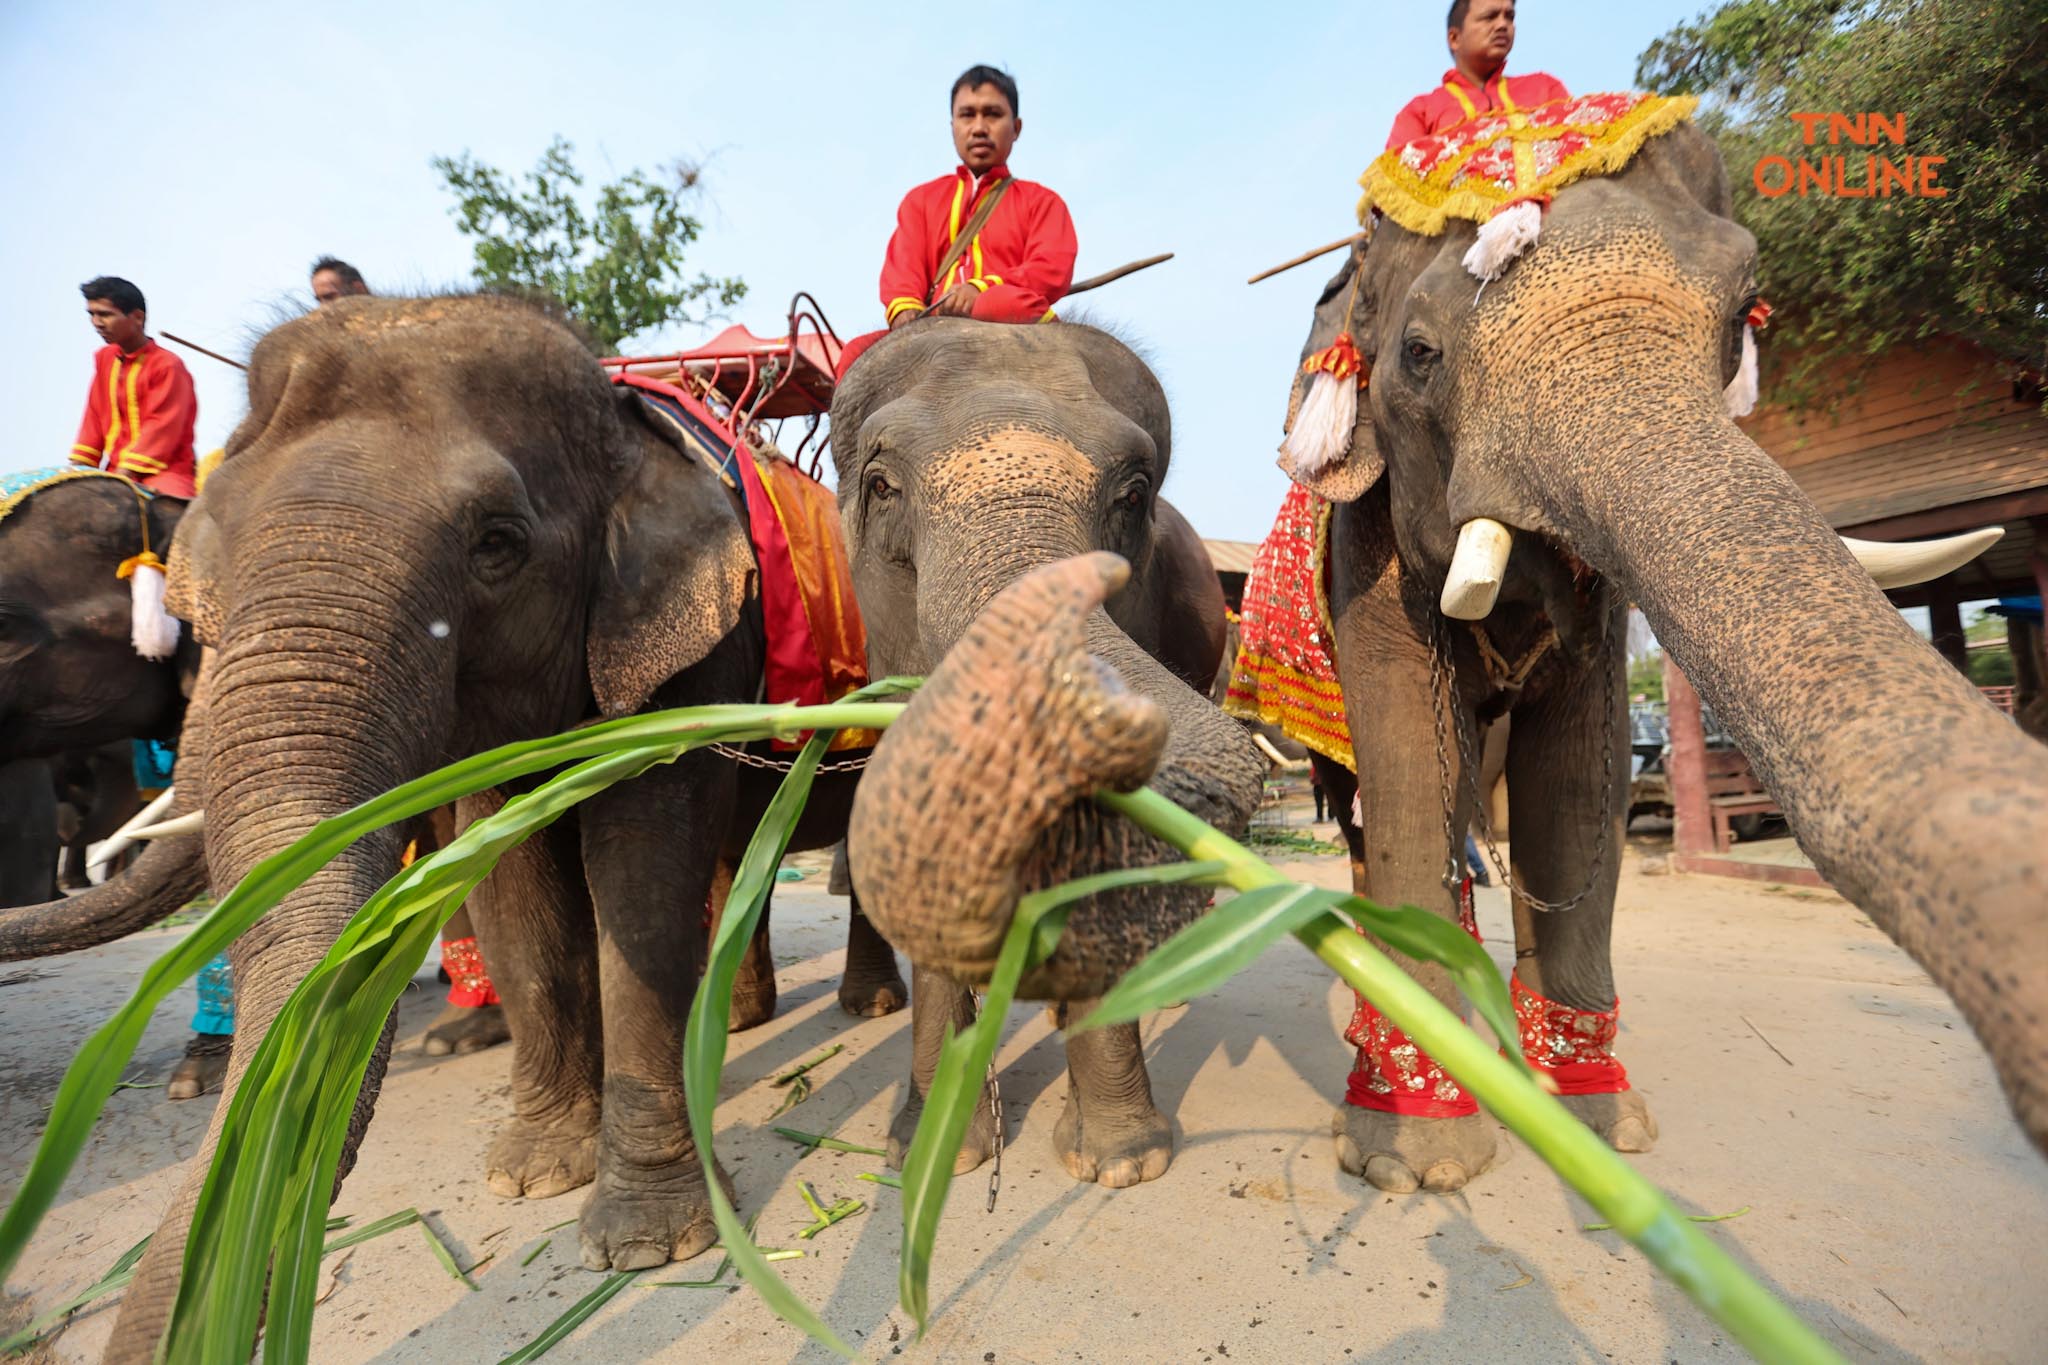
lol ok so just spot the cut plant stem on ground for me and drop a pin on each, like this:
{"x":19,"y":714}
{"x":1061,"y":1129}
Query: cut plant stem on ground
{"x":828,"y":1143}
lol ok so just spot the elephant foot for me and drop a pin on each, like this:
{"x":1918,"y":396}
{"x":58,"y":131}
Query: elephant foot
{"x":202,"y":1068}
{"x":463,"y":1029}
{"x":636,"y":1219}
{"x":539,"y":1161}
{"x":753,"y":1002}
{"x":1118,"y":1149}
{"x":1623,"y":1119}
{"x":872,"y":995}
{"x":977,"y":1146}
{"x":1401,"y":1153}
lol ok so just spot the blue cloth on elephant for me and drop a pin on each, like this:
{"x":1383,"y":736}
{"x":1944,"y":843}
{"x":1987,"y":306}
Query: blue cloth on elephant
{"x":154,"y":763}
{"x":216,"y":998}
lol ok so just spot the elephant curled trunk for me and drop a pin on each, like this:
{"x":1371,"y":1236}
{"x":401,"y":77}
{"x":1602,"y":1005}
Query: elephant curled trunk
{"x":979,"y":793}
{"x":168,"y":874}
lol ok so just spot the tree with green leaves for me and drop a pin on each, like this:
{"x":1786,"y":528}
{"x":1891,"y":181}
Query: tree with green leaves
{"x":1853,"y":278}
{"x":616,"y":264}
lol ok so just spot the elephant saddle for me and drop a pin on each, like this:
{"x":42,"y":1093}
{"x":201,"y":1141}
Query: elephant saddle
{"x":817,"y":644}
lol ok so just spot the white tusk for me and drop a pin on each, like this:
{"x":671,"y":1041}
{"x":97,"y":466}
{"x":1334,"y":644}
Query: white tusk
{"x":1478,"y":566}
{"x":1901,"y":564}
{"x":189,"y":823}
{"x":123,"y":838}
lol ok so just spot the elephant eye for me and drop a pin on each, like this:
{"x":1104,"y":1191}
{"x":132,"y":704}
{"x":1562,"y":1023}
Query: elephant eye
{"x":1419,"y":351}
{"x":880,"y":487}
{"x":499,"y":549}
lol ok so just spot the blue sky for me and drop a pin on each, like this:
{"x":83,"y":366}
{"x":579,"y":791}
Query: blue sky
{"x":209,"y":152}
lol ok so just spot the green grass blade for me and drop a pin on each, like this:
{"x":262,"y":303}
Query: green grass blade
{"x":1639,"y":1211}
{"x":830,"y":1144}
{"x":578,"y":1313}
{"x":1210,"y":951}
{"x":1432,"y":938}
{"x":704,"y":1041}
{"x":117,"y":1277}
{"x":389,"y":1223}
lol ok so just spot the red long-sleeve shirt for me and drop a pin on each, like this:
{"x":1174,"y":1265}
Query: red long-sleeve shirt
{"x":1458,"y":99}
{"x":1022,"y":260}
{"x":139,"y":417}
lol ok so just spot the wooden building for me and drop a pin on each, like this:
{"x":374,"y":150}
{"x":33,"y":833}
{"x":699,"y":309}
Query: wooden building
{"x":1936,"y":439}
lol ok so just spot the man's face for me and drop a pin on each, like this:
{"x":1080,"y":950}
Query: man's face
{"x":115,"y":327}
{"x":328,"y":286}
{"x":984,"y":128}
{"x":1488,"y":35}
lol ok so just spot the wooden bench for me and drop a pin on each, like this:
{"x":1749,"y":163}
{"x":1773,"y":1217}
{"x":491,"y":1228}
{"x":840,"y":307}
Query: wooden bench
{"x":1733,"y":793}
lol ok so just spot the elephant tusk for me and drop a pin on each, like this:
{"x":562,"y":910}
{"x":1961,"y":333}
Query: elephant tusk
{"x":1901,"y":564}
{"x":1477,"y":568}
{"x":189,"y":823}
{"x":122,"y":839}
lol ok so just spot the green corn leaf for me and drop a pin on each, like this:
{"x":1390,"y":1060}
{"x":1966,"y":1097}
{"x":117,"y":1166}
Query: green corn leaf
{"x":117,"y":1277}
{"x":1432,"y":938}
{"x":389,"y":1223}
{"x":704,"y":1041}
{"x":1210,"y":951}
{"x":578,"y":1314}
{"x":830,"y":1144}
{"x":964,"y":1060}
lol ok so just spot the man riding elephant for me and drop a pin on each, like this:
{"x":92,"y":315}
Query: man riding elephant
{"x":1528,"y":457}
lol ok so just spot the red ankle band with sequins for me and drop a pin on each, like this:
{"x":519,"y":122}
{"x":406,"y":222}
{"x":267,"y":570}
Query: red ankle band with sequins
{"x":1573,"y":1047}
{"x":469,"y":986}
{"x":1393,"y":1075}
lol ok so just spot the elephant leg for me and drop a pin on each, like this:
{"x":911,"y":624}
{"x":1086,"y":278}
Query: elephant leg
{"x":1564,"y":970}
{"x":650,"y":851}
{"x":872,"y":985}
{"x":938,"y":1002}
{"x":1110,"y":1132}
{"x":536,"y":914}
{"x":753,"y":989}
{"x":474,"y":1017}
{"x":1402,"y":1126}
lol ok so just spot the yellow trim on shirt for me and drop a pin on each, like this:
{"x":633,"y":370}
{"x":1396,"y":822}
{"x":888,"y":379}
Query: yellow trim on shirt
{"x":904,"y":305}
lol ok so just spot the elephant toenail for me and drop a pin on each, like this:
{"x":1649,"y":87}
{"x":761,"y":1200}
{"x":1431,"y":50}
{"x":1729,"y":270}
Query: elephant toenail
{"x":1444,"y":1177}
{"x":1391,"y":1174}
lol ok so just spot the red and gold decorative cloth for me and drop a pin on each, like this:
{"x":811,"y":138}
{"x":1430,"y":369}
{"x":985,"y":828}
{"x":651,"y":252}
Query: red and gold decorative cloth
{"x":1573,"y":1047}
{"x":469,"y":985}
{"x":1393,"y":1075}
{"x":1510,"y":156}
{"x":1285,"y":674}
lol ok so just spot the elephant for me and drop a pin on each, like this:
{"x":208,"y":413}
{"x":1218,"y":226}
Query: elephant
{"x":968,"y":454}
{"x":28,"y":833}
{"x":1576,"y":401}
{"x":440,"y":529}
{"x":96,"y":795}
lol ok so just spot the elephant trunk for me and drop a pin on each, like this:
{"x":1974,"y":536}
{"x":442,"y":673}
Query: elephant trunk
{"x":961,"y":813}
{"x":317,"y":701}
{"x":168,"y":874}
{"x":1912,"y":795}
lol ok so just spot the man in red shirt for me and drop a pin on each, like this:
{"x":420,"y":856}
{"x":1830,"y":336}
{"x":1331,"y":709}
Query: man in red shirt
{"x":1021,"y":260}
{"x":141,"y":409}
{"x":1482,"y":33}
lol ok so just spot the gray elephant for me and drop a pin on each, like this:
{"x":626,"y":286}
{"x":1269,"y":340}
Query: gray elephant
{"x":74,"y":690}
{"x":441,"y":529}
{"x":1578,"y":400}
{"x":968,"y":454}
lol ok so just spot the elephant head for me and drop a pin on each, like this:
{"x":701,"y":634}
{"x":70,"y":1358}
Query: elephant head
{"x":968,"y":455}
{"x":438,"y":529}
{"x":1576,"y":405}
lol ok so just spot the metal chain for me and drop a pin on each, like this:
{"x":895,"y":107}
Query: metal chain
{"x":995,"y":1112}
{"x":1443,"y":669}
{"x":777,"y":765}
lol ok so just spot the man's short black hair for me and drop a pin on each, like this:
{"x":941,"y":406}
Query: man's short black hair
{"x":975,"y":77}
{"x":1456,"y":18}
{"x":116,"y":291}
{"x":350,"y":277}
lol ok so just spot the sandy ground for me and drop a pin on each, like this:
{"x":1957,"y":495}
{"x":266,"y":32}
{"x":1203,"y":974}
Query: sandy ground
{"x":1799,"y":1064}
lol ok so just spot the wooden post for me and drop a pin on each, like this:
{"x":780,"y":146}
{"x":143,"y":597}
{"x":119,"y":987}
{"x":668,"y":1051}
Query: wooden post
{"x":1686,"y":764}
{"x":1945,"y":618}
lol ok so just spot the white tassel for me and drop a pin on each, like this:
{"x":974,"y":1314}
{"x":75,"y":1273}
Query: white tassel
{"x":1740,"y":395}
{"x":1322,"y":429}
{"x":1502,"y":238}
{"x":153,"y":630}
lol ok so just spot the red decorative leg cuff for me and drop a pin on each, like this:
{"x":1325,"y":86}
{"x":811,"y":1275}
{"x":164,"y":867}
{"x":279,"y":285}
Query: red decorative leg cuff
{"x":1392,"y":1074}
{"x":1575,"y":1048}
{"x":469,"y":985}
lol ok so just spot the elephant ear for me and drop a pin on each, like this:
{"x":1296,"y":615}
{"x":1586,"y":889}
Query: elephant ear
{"x":1343,"y":321}
{"x":676,"y":573}
{"x":193,"y":576}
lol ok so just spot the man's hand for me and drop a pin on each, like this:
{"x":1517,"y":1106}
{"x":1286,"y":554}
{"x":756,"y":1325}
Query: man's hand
{"x":905,"y":316}
{"x":959,"y":301}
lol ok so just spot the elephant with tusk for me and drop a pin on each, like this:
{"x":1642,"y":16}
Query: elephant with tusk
{"x":1566,"y":426}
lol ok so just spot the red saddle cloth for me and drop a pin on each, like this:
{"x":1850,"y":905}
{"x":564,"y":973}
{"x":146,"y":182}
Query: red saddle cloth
{"x":1285,"y":674}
